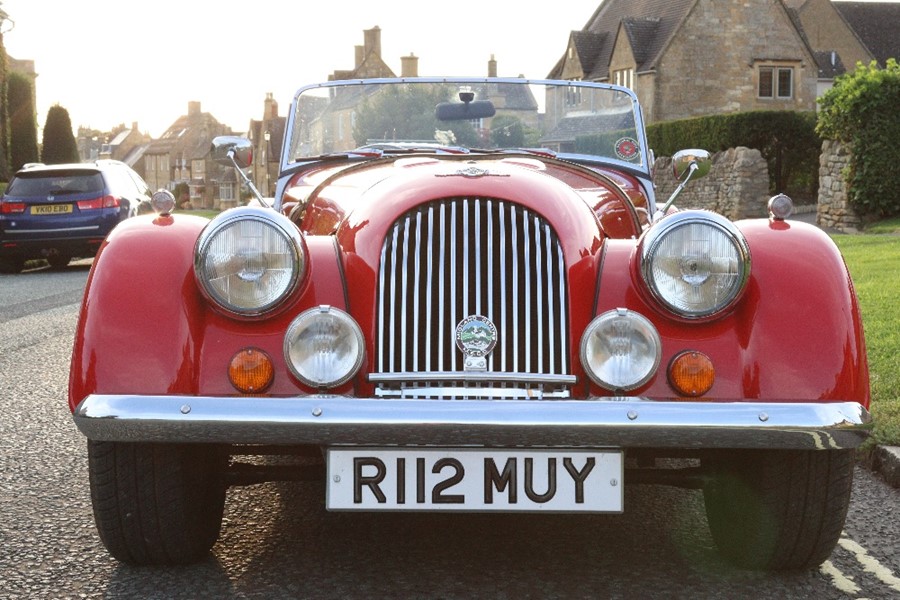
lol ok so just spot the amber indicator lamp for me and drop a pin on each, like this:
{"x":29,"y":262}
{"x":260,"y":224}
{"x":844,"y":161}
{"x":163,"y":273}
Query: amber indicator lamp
{"x":691,"y":373}
{"x":251,"y":371}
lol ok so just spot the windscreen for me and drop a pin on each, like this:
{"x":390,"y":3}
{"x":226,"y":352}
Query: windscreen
{"x":460,"y":115}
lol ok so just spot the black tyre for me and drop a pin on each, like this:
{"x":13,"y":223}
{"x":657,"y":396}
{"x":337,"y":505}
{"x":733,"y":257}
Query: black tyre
{"x":12,"y":264}
{"x":58,"y":261}
{"x":157,"y":504}
{"x":779,"y":510}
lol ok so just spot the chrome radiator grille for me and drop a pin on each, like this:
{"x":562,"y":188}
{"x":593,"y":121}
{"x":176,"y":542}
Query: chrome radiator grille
{"x":458,"y":257}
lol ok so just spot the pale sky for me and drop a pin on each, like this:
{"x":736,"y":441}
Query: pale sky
{"x":117,"y":61}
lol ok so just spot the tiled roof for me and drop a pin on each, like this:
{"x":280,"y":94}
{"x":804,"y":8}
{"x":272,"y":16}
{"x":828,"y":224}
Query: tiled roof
{"x":830,"y":64}
{"x":189,"y":136}
{"x":877,"y":24}
{"x":570,"y":128}
{"x":641,"y":33}
{"x":590,"y":47}
{"x":649,"y":24}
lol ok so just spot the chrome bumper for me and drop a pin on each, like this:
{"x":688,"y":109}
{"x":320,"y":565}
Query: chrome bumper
{"x":598,"y":422}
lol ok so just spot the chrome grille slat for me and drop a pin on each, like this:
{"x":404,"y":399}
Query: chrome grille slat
{"x":462,"y":256}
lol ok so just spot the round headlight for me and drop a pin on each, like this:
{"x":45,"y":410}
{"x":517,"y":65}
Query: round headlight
{"x":695,"y":263}
{"x":249,"y":261}
{"x":324,"y":347}
{"x":620,"y":350}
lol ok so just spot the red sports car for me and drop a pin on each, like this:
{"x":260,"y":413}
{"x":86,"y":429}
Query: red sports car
{"x":465,"y":296}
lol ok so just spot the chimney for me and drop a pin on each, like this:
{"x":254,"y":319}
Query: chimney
{"x":270,"y":108}
{"x":372,"y":39}
{"x":360,"y":55}
{"x":409,"y":65}
{"x":134,"y":126}
{"x":193,"y":108}
{"x":492,"y":67}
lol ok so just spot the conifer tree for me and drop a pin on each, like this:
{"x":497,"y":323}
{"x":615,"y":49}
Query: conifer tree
{"x":58,"y":144}
{"x":22,"y":122}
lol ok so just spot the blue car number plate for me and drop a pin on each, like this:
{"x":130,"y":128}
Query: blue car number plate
{"x":474,"y":479}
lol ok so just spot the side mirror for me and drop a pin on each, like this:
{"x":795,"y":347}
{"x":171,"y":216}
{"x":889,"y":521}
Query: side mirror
{"x":683,"y":159}
{"x":237,"y":152}
{"x":228,"y":148}
{"x":687,"y":165}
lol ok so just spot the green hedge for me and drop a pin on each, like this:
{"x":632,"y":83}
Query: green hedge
{"x":862,"y":111}
{"x":787,"y":141}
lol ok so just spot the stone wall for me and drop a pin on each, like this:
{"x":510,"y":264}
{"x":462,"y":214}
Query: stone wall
{"x":737,"y":185}
{"x":833,"y":210}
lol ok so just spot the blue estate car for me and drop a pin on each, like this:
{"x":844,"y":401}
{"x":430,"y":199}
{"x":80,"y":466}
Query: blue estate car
{"x":62,"y":212}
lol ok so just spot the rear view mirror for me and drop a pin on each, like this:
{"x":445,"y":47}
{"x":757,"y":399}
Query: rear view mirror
{"x":464,"y":111}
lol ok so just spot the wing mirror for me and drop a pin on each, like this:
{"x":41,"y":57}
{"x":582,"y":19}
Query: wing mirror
{"x":228,"y":148}
{"x":691,"y":164}
{"x":237,"y":152}
{"x":686,"y":165}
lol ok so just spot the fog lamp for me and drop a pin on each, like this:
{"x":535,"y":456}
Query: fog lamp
{"x":324,"y":347}
{"x":620,"y":350}
{"x":691,"y":374}
{"x":250,"y":371}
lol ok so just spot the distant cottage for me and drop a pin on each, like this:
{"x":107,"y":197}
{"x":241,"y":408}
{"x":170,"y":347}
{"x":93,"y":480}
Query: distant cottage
{"x":687,"y":58}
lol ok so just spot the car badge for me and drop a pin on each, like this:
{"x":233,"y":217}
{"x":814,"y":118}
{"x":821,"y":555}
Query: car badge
{"x":476,"y":337}
{"x":473,"y":172}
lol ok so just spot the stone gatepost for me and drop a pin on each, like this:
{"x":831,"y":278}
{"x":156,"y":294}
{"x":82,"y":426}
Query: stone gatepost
{"x":833,"y":209}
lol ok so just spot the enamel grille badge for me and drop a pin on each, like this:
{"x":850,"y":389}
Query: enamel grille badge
{"x":476,"y":336}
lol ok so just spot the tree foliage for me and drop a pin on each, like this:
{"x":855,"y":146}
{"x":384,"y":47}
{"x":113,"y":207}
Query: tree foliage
{"x":59,"y":144}
{"x":4,"y":112}
{"x":23,"y":146}
{"x":861,"y":110}
{"x":401,"y":113}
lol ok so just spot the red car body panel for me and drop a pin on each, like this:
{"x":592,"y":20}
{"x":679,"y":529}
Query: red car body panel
{"x":799,"y":339}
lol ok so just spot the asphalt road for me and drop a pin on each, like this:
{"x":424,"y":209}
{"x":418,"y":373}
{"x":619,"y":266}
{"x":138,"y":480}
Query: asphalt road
{"x":279,"y":542}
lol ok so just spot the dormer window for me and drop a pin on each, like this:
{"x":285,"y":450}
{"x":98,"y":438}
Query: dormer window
{"x":775,"y":82}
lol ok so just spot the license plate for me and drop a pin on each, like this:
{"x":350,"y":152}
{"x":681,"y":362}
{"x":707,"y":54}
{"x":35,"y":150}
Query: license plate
{"x":478,"y":480}
{"x":51,"y":209}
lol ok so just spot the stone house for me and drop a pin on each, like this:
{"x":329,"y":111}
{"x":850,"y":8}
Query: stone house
{"x":687,"y":58}
{"x":267,"y":136}
{"x":182,"y":155}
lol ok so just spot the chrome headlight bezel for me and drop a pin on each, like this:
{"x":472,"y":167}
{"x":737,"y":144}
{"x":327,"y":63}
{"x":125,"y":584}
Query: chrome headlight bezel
{"x":313,"y":327}
{"x":621,"y":350}
{"x":676,"y":243}
{"x":249,"y":261}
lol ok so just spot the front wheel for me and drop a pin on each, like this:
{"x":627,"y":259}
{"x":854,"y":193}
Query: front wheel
{"x":157,"y":504}
{"x":779,"y":510}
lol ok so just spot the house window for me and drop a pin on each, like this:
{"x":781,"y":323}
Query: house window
{"x":226,"y":192}
{"x":776,"y":82}
{"x":198,"y":170}
{"x":573,"y":95}
{"x":624,"y":77}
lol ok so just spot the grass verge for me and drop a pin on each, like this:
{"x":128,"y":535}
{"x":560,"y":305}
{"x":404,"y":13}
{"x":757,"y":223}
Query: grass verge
{"x":874,"y":264}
